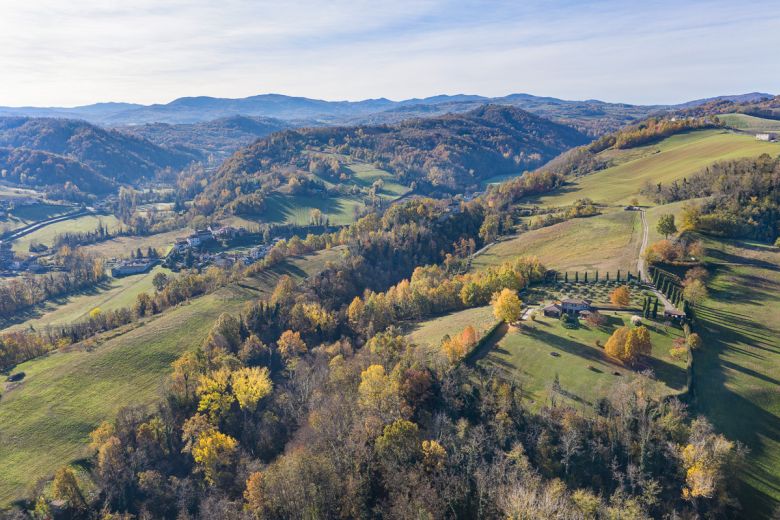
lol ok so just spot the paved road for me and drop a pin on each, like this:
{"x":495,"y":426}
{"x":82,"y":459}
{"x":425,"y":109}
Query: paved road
{"x":641,"y":265}
{"x":19,"y":233}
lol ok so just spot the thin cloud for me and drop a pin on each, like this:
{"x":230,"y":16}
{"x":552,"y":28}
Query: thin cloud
{"x":67,"y":53}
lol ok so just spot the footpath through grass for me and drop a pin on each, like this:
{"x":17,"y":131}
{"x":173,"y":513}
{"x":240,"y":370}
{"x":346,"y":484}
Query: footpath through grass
{"x":737,"y":372}
{"x":46,"y":419}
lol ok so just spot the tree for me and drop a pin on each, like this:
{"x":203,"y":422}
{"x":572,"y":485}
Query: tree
{"x":253,"y":494}
{"x":216,"y":455}
{"x":489,"y":229}
{"x":250,"y":385}
{"x":620,"y":296}
{"x":507,"y":306}
{"x":614,"y":346}
{"x":290,"y":344}
{"x":666,"y":225}
{"x":695,"y":291}
{"x":399,"y":442}
{"x":595,"y":319}
{"x":159,"y":281}
{"x":66,"y":487}
{"x":693,"y":341}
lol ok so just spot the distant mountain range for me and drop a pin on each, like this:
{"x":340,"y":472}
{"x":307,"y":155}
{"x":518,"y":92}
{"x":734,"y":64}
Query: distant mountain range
{"x":592,"y":116}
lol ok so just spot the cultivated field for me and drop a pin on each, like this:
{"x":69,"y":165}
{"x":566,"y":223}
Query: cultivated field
{"x":45,"y":420}
{"x":605,"y":242}
{"x":666,"y":161}
{"x":737,"y":381}
{"x":585,"y":372}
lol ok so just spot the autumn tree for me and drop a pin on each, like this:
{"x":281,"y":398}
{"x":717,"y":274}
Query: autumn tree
{"x":216,"y":455}
{"x":628,"y":345}
{"x":66,"y":487}
{"x":250,"y":385}
{"x":159,"y":281}
{"x":694,"y":291}
{"x":291,"y":345}
{"x":507,"y":306}
{"x":620,"y":296}
{"x":666,"y":225}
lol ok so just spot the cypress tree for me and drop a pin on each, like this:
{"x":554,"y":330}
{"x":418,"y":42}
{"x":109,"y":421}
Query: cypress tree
{"x":655,"y":309}
{"x":597,"y":275}
{"x":566,"y":277}
{"x":586,"y":276}
{"x":618,"y":275}
{"x":576,"y":276}
{"x":607,"y":275}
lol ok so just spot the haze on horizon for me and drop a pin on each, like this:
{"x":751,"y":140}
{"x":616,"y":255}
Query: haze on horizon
{"x":56,"y":54}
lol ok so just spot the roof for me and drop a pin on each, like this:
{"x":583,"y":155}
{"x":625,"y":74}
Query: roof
{"x":674,"y":312}
{"x":552,"y":307}
{"x":575,"y":301}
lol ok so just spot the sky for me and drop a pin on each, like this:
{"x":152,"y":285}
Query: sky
{"x":68,"y":53}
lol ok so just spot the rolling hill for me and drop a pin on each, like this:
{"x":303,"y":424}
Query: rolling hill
{"x":441,"y":154}
{"x":47,"y":151}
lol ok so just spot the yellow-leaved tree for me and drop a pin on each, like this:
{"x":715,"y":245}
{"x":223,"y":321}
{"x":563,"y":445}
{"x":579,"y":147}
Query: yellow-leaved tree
{"x":216,"y":455}
{"x":250,"y":385}
{"x":507,"y":306}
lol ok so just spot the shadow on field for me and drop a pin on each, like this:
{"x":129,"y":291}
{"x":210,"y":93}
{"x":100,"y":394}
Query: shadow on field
{"x":732,"y":414}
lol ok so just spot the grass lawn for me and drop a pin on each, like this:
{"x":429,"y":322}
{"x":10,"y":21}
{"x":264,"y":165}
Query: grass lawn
{"x":750,"y":123}
{"x":45,"y":421}
{"x":671,"y":159}
{"x":605,"y":242}
{"x":46,"y":234}
{"x":585,"y":372}
{"x":737,"y":372}
{"x":366,"y":174}
{"x":430,"y":332}
{"x":114,"y":294}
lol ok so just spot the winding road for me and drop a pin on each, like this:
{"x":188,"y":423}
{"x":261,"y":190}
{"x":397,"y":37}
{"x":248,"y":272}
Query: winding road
{"x":641,"y":265}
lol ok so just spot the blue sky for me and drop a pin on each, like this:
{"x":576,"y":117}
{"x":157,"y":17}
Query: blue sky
{"x":68,"y":53}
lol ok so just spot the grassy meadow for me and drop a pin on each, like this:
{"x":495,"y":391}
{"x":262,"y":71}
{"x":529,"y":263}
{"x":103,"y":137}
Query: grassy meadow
{"x":666,"y":161}
{"x":605,"y":242}
{"x":115,"y":293}
{"x":45,"y":420}
{"x":46,"y":234}
{"x":585,"y":372}
{"x":737,"y":372}
{"x":430,"y":332}
{"x":748,"y":123}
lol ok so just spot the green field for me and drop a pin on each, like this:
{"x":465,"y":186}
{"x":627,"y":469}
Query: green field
{"x":364,"y":175}
{"x":430,"y":332}
{"x":605,"y":242}
{"x":45,"y":420}
{"x":122,"y":246}
{"x":114,"y":294}
{"x":748,"y":123}
{"x":584,"y":370}
{"x":46,"y":234}
{"x":666,"y":161}
{"x":295,"y":209}
{"x":737,"y":381}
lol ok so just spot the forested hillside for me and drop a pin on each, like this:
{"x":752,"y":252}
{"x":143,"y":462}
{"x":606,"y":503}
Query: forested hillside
{"x":101,"y":154}
{"x":219,"y":137}
{"x":436,"y":155}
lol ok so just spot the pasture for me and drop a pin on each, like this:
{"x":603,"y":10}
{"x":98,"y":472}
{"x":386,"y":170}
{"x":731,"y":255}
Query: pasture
{"x":605,"y":242}
{"x":45,"y":420}
{"x":670,"y":159}
{"x":527,"y":356}
{"x":737,"y":372}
